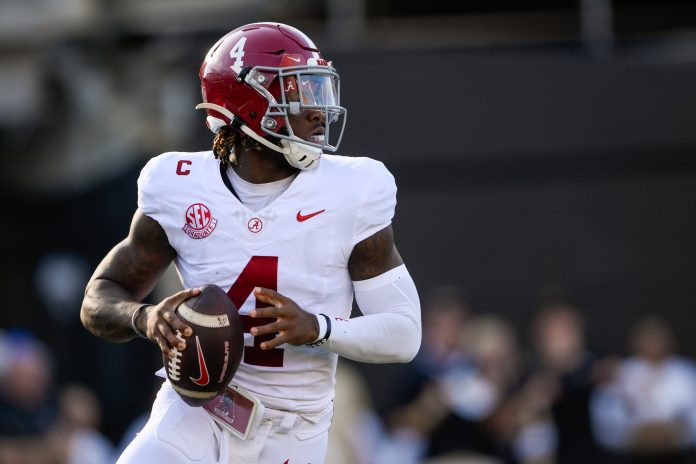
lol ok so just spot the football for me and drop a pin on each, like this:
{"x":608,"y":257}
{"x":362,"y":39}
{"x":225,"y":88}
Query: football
{"x":213,"y":352}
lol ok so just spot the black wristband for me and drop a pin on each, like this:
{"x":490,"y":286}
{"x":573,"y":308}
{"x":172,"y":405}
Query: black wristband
{"x":134,"y":316}
{"x":328,"y":327}
{"x":326,"y":335}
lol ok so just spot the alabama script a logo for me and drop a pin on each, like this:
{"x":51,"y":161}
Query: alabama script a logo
{"x":199,"y":221}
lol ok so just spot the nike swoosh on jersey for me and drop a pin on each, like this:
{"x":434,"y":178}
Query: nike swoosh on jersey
{"x":204,"y":378}
{"x":302,"y":218}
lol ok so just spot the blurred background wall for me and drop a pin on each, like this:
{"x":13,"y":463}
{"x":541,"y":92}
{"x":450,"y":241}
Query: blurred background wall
{"x":541,"y":147}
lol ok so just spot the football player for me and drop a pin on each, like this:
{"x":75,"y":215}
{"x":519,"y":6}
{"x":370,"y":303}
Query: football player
{"x":292,"y":234}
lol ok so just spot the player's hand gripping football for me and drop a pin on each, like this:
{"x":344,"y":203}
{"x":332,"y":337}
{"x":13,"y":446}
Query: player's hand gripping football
{"x":292,"y":324}
{"x":161,"y":321}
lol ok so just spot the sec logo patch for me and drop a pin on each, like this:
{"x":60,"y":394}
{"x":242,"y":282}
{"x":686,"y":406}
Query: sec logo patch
{"x":199,"y":221}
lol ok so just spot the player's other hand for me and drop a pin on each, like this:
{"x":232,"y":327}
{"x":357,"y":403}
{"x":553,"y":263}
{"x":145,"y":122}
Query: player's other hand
{"x":292,"y":324}
{"x":161,"y":322}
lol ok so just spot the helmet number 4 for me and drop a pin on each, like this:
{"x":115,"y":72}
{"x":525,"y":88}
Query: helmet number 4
{"x":237,"y":53}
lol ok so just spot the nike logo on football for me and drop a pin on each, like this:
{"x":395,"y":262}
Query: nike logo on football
{"x":303,"y":218}
{"x":204,"y":378}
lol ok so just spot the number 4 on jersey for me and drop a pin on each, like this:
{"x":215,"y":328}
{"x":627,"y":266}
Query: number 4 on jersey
{"x":260,"y":271}
{"x":237,"y":53}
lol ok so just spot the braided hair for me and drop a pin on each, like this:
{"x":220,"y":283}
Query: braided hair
{"x":227,"y":144}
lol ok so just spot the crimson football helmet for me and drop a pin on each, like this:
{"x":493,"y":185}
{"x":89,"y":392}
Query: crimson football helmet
{"x":257,"y":75}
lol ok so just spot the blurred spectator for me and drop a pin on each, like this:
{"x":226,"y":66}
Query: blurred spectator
{"x":32,"y":429}
{"x":78,"y":420}
{"x":444,"y":318}
{"x":60,"y":281}
{"x":393,"y":385}
{"x":482,"y":420}
{"x":536,"y":437}
{"x":26,"y":408}
{"x":25,"y":386}
{"x":463,"y":414}
{"x":355,"y":430}
{"x":647,"y":411}
{"x":554,"y":413}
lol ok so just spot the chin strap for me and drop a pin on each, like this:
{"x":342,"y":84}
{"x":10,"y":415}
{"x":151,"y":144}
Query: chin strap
{"x":297,"y":154}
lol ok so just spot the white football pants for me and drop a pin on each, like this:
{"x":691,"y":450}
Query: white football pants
{"x":177,"y":433}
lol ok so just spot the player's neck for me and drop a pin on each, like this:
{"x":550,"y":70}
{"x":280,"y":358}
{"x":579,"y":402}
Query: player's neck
{"x":261,"y":167}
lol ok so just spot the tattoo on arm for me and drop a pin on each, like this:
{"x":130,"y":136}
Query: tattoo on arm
{"x":137,"y":262}
{"x":373,"y":256}
{"x":124,"y":277}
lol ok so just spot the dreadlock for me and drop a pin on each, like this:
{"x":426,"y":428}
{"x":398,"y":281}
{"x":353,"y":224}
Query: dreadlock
{"x":227,"y":143}
{"x":225,"y":146}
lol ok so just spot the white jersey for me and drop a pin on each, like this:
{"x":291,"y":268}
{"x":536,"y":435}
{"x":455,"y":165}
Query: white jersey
{"x":299,"y":245}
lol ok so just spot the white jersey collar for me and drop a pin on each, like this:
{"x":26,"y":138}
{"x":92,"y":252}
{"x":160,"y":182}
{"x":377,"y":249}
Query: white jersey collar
{"x":258,"y":196}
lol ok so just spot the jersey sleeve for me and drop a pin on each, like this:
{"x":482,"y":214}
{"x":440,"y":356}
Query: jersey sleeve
{"x":377,"y":207}
{"x":149,"y":188}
